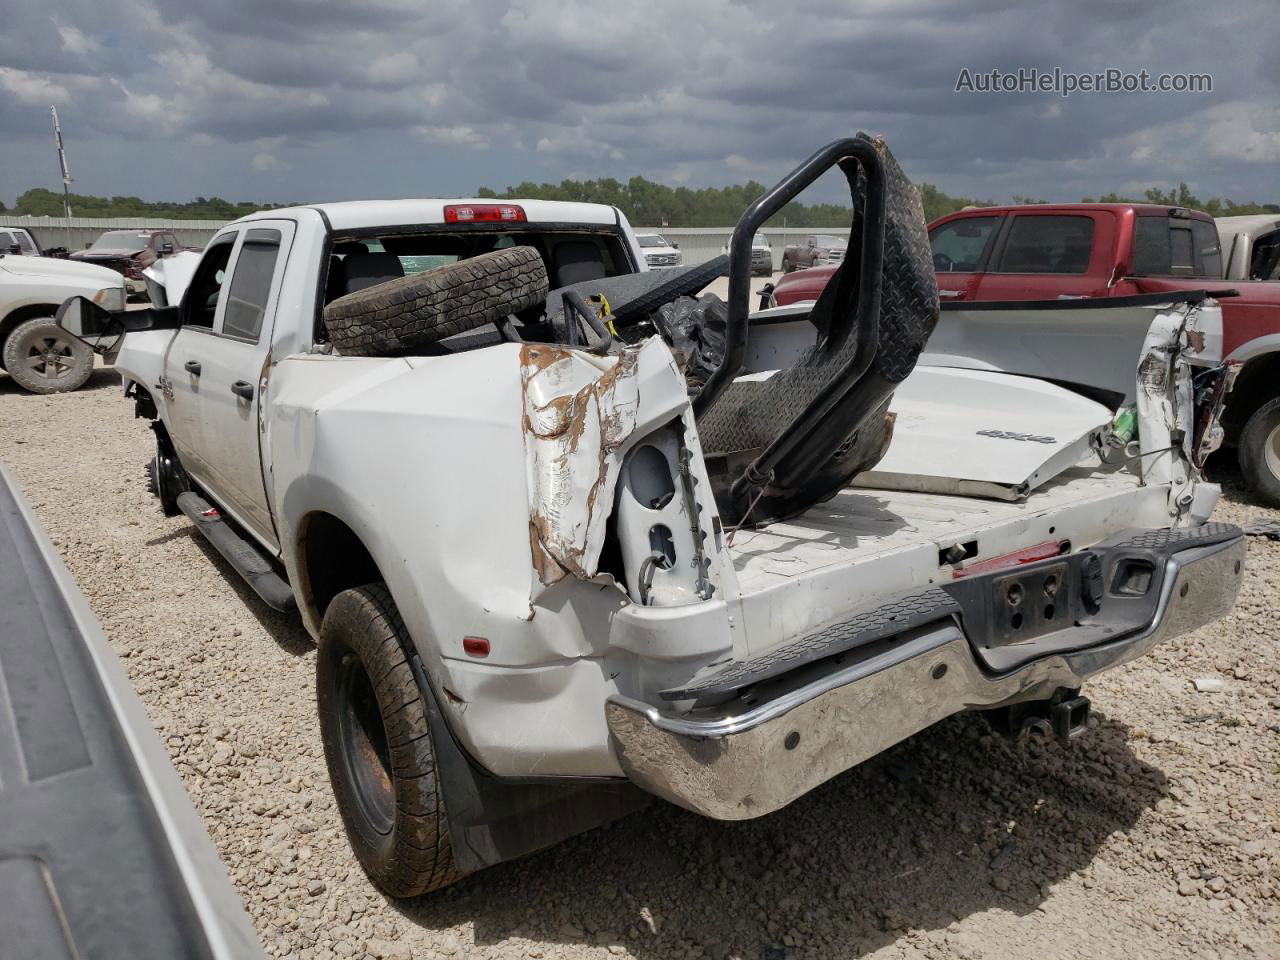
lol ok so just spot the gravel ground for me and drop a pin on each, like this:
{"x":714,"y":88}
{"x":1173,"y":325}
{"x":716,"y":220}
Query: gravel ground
{"x":1157,"y":834}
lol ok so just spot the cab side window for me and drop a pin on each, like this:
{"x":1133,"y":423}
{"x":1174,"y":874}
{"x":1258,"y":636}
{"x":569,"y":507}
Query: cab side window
{"x":200,"y":303}
{"x":959,"y":246}
{"x":251,"y":284}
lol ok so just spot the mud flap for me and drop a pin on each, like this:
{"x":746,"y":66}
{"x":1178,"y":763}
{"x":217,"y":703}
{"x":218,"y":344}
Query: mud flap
{"x":492,"y":820}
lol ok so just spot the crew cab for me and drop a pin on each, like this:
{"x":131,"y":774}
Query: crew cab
{"x":816,"y":250}
{"x":1055,"y":251}
{"x":129,"y":252}
{"x":34,"y":350}
{"x":552,"y":574}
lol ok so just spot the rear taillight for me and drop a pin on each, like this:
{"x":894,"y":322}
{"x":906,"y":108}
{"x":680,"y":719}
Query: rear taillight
{"x":483,"y":213}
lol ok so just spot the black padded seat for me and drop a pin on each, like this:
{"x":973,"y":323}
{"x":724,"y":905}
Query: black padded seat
{"x":854,"y":434}
{"x":576,"y":261}
{"x":370,"y":269}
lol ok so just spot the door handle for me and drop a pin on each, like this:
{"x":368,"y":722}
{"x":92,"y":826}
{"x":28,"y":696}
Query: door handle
{"x":192,"y":367}
{"x":242,"y":388}
{"x":951,"y":293}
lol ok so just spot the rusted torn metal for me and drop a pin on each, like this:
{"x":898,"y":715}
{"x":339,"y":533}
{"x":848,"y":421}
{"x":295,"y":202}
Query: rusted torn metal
{"x":578,"y":410}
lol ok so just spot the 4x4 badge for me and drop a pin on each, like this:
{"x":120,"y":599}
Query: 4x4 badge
{"x":1009,"y":435}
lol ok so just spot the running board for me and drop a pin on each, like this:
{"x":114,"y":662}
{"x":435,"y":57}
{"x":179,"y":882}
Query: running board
{"x":243,"y":555}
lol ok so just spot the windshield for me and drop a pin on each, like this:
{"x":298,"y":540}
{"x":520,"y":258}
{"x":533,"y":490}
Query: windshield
{"x":651,"y":240}
{"x":121,"y":240}
{"x":760,"y":241}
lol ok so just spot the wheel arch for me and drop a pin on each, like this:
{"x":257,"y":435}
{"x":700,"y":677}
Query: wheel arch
{"x":331,"y":558}
{"x":1257,"y":383}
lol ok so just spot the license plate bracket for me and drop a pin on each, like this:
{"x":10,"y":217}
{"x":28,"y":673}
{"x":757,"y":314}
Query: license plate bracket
{"x":1029,"y":603}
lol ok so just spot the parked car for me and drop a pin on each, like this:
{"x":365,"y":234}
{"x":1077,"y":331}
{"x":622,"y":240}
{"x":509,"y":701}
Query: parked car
{"x":1250,"y":247}
{"x":816,"y":250}
{"x":547,"y":583}
{"x":658,"y":252}
{"x":102,"y":852}
{"x":130,"y":252}
{"x":761,"y":255}
{"x":1051,"y":251}
{"x":34,"y":350}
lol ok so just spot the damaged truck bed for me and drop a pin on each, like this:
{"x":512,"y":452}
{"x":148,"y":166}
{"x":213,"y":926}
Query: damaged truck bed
{"x":569,"y":535}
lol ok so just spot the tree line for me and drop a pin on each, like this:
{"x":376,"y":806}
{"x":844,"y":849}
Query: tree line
{"x":48,"y":203}
{"x":644,"y":202}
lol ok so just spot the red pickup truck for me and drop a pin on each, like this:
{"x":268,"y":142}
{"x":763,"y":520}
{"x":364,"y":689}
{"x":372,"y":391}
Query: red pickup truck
{"x":1051,"y":251}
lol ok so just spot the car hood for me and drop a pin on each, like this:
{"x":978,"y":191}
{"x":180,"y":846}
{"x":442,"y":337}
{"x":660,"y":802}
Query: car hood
{"x":105,"y":252}
{"x":55,"y":269}
{"x":666,"y":249}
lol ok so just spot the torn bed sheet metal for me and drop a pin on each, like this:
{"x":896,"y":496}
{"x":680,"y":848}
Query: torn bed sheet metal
{"x":984,"y":434}
{"x":581,"y":411}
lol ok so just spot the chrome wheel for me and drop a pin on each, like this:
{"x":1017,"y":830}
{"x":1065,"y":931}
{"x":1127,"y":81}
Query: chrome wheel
{"x":50,"y":356}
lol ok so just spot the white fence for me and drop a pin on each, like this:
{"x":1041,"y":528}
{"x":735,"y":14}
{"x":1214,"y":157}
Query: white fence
{"x":77,"y":233}
{"x":698,"y":244}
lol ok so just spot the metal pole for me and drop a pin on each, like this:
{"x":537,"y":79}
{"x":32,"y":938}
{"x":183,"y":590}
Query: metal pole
{"x":66,"y":174}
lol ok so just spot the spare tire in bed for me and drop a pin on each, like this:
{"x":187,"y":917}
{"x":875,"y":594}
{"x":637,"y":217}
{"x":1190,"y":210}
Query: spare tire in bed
{"x":408,"y":313}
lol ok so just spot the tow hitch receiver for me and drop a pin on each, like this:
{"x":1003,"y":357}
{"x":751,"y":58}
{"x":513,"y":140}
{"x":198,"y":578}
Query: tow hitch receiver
{"x":1070,"y":718}
{"x":1064,"y":716}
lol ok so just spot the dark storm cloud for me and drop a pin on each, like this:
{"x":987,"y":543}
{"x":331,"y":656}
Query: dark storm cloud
{"x":255,"y":97}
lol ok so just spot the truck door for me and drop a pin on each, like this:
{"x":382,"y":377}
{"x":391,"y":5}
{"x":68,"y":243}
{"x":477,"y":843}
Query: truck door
{"x":227,"y":364}
{"x":1047,"y":256}
{"x":960,"y":250}
{"x":181,"y":386}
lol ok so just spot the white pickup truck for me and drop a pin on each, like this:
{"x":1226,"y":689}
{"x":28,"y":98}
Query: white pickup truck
{"x":39,"y":356}
{"x":546,"y":565}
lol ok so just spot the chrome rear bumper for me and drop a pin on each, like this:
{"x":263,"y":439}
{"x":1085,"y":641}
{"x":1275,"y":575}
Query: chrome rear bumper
{"x":738,"y":761}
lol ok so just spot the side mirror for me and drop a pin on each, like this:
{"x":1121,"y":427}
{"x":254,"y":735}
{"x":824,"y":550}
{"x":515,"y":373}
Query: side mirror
{"x":15,"y":249}
{"x":675,"y":246}
{"x":765,"y":294}
{"x":166,"y":247}
{"x":86,"y":321}
{"x":102,"y":329}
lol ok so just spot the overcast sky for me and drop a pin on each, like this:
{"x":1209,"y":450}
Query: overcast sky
{"x":299,"y":100}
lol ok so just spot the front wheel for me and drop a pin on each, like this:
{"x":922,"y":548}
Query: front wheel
{"x":44,"y":358}
{"x":377,"y":743}
{"x":1259,"y":451}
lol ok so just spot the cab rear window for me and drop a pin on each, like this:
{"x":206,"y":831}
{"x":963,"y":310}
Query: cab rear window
{"x":1166,"y":246}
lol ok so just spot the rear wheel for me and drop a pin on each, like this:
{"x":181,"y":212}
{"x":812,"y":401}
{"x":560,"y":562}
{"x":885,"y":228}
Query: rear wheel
{"x":165,"y":476}
{"x":377,"y":743}
{"x":44,"y":358}
{"x":1259,"y":451}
